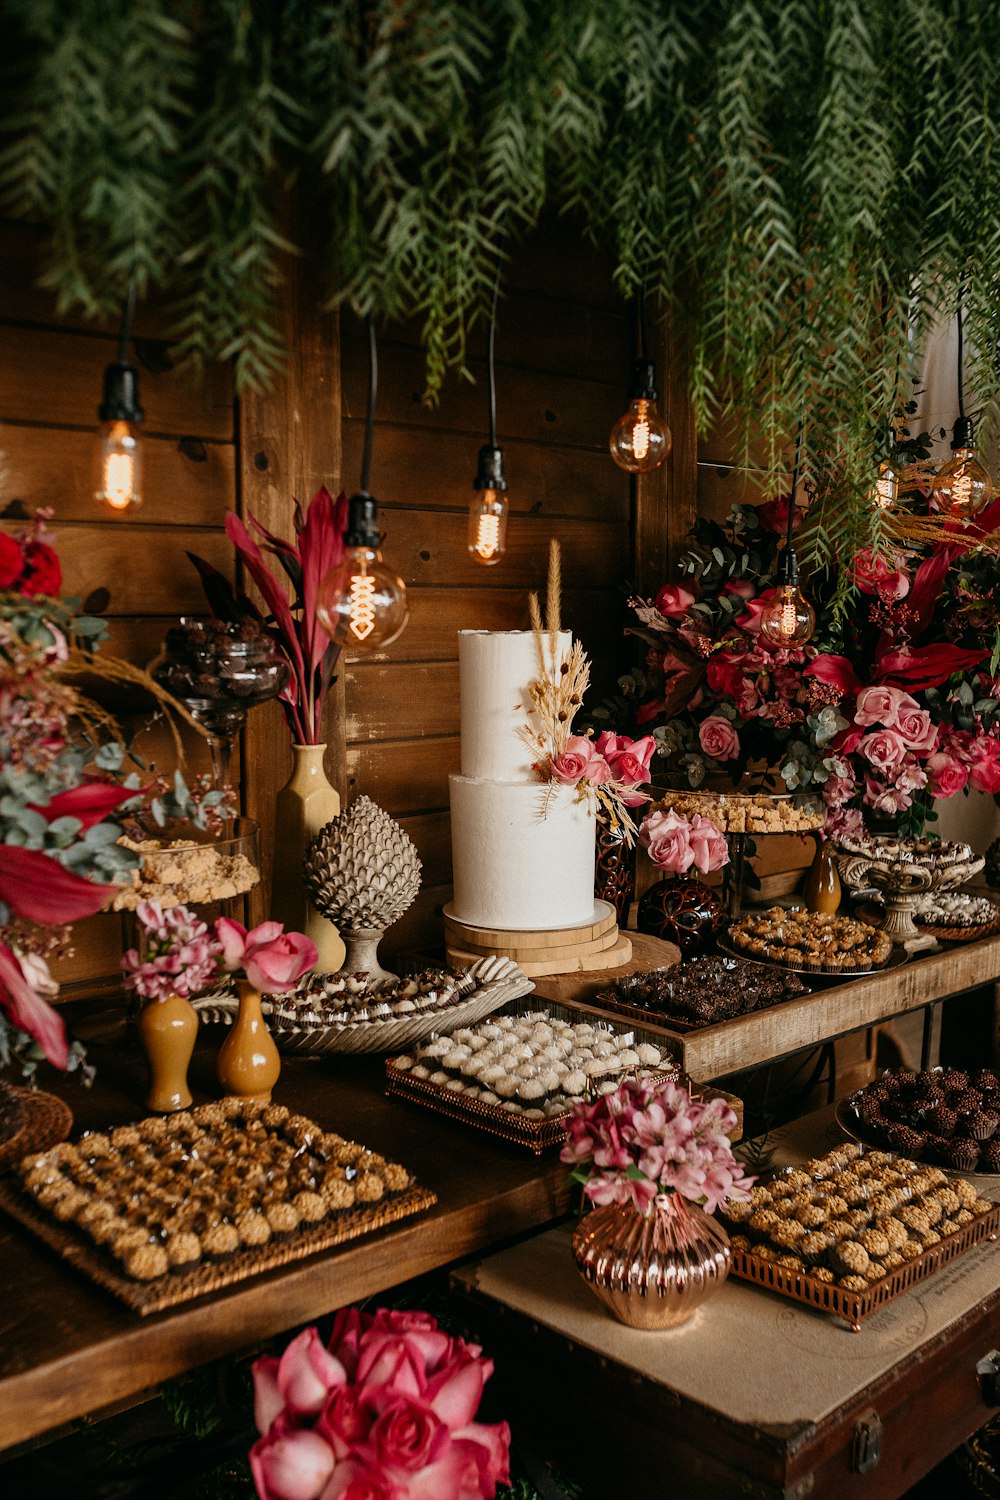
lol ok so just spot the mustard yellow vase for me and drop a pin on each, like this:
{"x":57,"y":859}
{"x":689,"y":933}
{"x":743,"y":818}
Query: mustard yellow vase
{"x":305,"y":803}
{"x":168,"y":1030}
{"x":248,"y":1063}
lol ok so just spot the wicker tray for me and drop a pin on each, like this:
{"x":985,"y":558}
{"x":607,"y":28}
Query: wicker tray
{"x":854,"y":1307}
{"x":47,"y":1121}
{"x":182,"y":1286}
{"x":536,"y":1135}
{"x":500,"y":981}
{"x":970,"y":934}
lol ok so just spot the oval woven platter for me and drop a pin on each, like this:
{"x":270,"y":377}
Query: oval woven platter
{"x":499,"y":980}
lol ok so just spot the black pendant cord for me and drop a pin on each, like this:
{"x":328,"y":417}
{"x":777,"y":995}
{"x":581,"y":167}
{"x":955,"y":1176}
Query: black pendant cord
{"x":128,"y":315}
{"x":491,"y":347}
{"x":366,"y":452}
{"x":643,"y":324}
{"x":790,"y":570}
{"x":961,"y":355}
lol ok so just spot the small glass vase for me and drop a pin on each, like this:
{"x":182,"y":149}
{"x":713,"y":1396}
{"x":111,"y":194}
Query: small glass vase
{"x":652,"y":1271}
{"x":249,"y":1063}
{"x":614,"y":869}
{"x":168,"y":1030}
{"x":682,"y":910}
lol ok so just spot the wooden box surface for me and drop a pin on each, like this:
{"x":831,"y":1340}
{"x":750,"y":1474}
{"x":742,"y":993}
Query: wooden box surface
{"x":756,"y":1396}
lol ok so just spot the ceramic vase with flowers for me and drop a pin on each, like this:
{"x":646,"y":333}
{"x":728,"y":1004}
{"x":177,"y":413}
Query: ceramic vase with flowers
{"x":266,"y":958}
{"x":681,"y":908}
{"x":656,"y":1164}
{"x":385,"y":1411}
{"x":307,"y":801}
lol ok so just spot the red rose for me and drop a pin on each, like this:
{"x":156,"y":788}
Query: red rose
{"x":673,"y":600}
{"x":11,"y":560}
{"x":774,"y":515}
{"x":43,"y":573}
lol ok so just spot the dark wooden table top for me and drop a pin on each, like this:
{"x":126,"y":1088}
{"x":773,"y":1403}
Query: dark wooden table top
{"x":68,"y":1348}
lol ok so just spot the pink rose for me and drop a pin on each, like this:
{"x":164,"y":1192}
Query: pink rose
{"x":708,"y":845}
{"x":725,"y":675}
{"x":232,"y":936}
{"x":718,"y":738}
{"x":774,"y":515}
{"x":875,"y":575}
{"x":628,"y":761}
{"x":420,"y":1330}
{"x":984,"y":764}
{"x":916,"y":728}
{"x":307,"y":1373}
{"x":883,"y":749}
{"x":356,"y":1480}
{"x":882,"y":705}
{"x":270,"y":958}
{"x":345,"y":1421}
{"x":666,"y":836}
{"x":571,"y":765}
{"x":672,"y":600}
{"x":349,"y":1328}
{"x":290,"y":1463}
{"x":407,"y":1434}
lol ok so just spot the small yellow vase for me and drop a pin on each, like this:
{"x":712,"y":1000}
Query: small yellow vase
{"x":303,"y":806}
{"x":168,"y":1030}
{"x":822,"y":883}
{"x":249,"y":1063}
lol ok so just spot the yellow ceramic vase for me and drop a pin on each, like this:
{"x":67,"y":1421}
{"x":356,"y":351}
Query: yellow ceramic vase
{"x":305,"y":803}
{"x":168,"y":1030}
{"x":248,"y":1063}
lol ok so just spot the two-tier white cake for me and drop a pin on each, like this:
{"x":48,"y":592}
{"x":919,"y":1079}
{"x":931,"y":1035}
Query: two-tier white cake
{"x":522,"y":850}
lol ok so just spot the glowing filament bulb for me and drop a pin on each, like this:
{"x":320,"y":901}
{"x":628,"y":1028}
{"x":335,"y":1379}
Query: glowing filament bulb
{"x":361,"y":605}
{"x":962,"y":485}
{"x":640,"y":432}
{"x":118,"y":478}
{"x":885,"y":490}
{"x":788,"y":619}
{"x":489,"y":536}
{"x":486,"y":538}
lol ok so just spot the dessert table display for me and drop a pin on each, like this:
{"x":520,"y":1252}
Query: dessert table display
{"x":760,"y":1395}
{"x":902,"y":871}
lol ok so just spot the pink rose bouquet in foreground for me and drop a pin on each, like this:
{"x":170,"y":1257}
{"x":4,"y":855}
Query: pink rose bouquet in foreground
{"x":183,"y":956}
{"x":648,"y":1140}
{"x":675,"y":843}
{"x":385,"y":1412}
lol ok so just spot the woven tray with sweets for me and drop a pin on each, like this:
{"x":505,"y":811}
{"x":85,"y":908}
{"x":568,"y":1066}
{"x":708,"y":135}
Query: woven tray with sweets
{"x":166,"y":1210}
{"x":847,"y":1232}
{"x":810,"y":941}
{"x":957,"y":916}
{"x":30,"y":1120}
{"x":700,"y":993}
{"x":518,"y":1074}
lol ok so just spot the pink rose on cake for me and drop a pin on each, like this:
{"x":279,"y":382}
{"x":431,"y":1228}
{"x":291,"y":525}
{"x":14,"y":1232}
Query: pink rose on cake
{"x":629,"y":762}
{"x":571,"y":765}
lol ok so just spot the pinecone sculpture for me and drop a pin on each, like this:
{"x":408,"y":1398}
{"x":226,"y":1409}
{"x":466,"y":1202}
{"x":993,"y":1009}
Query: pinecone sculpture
{"x":361,"y":870}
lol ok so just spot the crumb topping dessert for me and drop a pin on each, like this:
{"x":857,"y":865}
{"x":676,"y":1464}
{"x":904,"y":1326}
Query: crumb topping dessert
{"x":748,"y":812}
{"x":227,"y":1175}
{"x":857,"y":1250}
{"x":811,"y":940}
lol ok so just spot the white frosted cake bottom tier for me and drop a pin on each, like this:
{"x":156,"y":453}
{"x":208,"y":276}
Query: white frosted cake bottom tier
{"x":522,"y":854}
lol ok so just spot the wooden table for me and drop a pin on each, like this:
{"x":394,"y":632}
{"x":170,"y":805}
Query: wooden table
{"x":832,"y":1010}
{"x":67,"y":1348}
{"x":758,"y":1395}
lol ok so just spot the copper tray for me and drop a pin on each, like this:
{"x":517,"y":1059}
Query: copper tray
{"x":897,"y":957}
{"x":146,"y":1297}
{"x":854,"y":1307}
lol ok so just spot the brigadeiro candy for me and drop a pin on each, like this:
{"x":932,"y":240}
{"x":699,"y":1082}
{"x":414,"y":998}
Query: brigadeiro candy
{"x":982,"y":1125}
{"x":942,"y":1120}
{"x":964,"y":1155}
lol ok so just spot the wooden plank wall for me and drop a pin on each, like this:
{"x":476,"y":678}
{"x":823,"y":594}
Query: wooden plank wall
{"x":51,"y":371}
{"x":563,"y":353}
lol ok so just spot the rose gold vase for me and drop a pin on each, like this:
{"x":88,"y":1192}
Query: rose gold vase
{"x":248,"y":1063}
{"x":168,"y":1030}
{"x":652,"y":1271}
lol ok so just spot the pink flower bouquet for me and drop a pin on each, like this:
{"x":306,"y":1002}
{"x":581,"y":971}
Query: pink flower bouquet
{"x":646,"y":1141}
{"x":675,"y":843}
{"x":385,"y":1412}
{"x":184,"y":957}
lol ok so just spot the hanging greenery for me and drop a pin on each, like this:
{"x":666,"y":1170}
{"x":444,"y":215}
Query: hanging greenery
{"x":803,"y":182}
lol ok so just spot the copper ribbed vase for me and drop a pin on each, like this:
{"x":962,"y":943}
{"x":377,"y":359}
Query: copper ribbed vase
{"x":652,"y":1271}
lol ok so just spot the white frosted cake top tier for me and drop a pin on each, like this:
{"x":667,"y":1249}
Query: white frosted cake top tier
{"x":495,"y":668}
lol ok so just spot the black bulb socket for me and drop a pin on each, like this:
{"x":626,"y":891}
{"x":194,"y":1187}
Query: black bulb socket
{"x":121,"y":395}
{"x":643,"y":387}
{"x":963,"y":434}
{"x":362,"y":522}
{"x":489,"y":470}
{"x":789,"y":576}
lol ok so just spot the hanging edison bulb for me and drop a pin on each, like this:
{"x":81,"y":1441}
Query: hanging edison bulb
{"x":963,"y":487}
{"x":487,"y":537}
{"x":640,"y":440}
{"x":118,"y":452}
{"x":788,"y":619}
{"x":885,"y":491}
{"x":362,"y":603}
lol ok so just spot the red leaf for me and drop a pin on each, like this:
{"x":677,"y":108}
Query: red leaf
{"x":38,"y":887}
{"x":838,"y":672}
{"x":91,"y":802}
{"x":322,"y":547}
{"x":272,"y":591}
{"x":926,"y":666}
{"x":928,"y":582}
{"x":29,"y":1011}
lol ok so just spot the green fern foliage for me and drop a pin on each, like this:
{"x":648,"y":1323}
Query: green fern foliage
{"x":804,"y":183}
